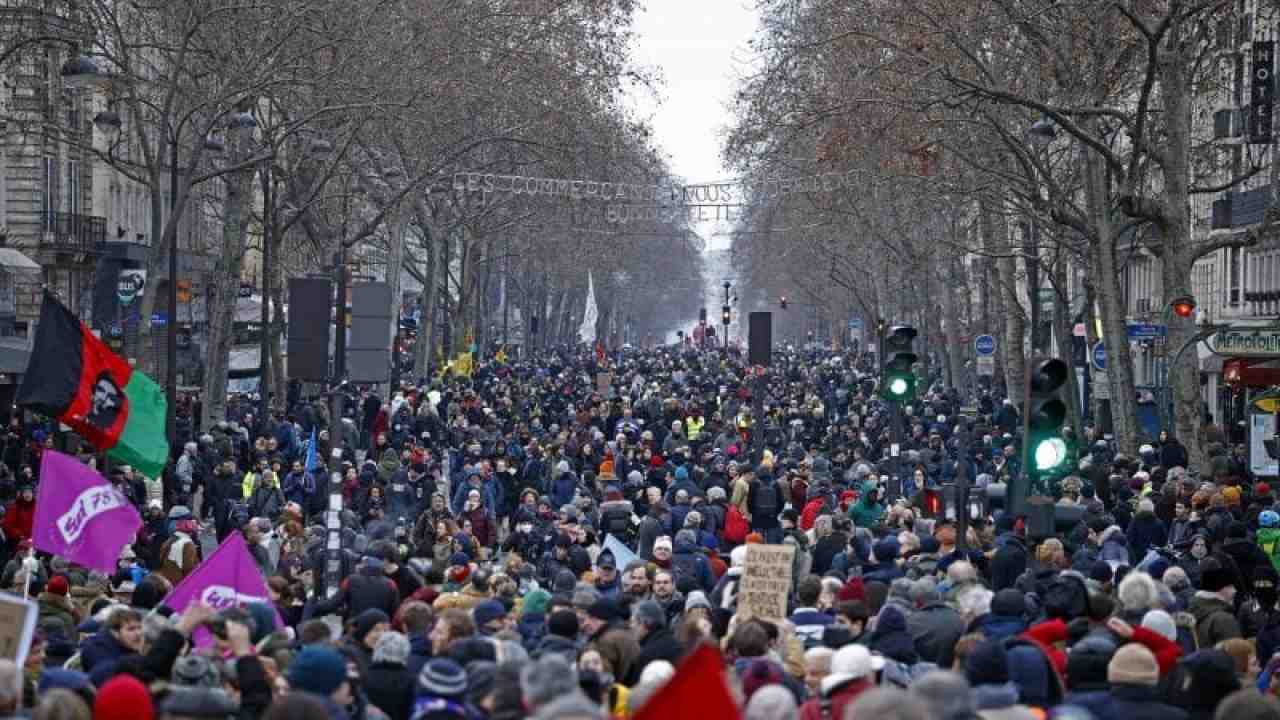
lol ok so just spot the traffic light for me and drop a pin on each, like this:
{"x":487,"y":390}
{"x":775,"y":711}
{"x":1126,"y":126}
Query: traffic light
{"x":1183,"y":306}
{"x":897,"y":379}
{"x":1045,"y":415}
{"x":724,"y":315}
{"x":783,"y":302}
{"x":702,"y":315}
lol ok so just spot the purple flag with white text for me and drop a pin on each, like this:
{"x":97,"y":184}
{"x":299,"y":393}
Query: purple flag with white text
{"x":228,"y":578}
{"x":80,"y":516}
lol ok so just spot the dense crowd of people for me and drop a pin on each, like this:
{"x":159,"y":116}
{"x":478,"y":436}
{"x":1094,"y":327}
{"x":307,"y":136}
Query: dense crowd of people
{"x":552,"y":538}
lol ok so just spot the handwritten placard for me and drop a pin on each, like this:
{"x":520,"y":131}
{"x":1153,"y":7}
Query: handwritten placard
{"x":766,"y":582}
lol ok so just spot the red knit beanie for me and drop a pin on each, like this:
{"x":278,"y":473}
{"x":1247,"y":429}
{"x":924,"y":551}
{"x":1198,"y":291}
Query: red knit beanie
{"x":123,"y":697}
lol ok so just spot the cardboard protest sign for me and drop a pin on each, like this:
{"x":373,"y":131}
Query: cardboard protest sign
{"x":766,"y":582}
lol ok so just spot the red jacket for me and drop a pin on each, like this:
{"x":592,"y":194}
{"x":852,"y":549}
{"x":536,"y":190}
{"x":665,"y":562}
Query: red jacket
{"x":840,"y":699}
{"x":18,"y":520}
{"x":1046,"y":635}
{"x":1166,"y":651}
{"x":810,"y":514}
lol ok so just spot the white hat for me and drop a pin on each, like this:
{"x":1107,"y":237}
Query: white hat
{"x":851,"y":662}
{"x":1161,"y":622}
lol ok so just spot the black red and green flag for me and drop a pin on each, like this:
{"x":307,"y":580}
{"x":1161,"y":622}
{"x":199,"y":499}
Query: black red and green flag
{"x":74,"y":377}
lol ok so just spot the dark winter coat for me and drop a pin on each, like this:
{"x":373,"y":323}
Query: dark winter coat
{"x":390,"y":688}
{"x":891,"y":638}
{"x":1215,"y":621}
{"x":1008,"y":563}
{"x":1128,"y":702}
{"x":660,"y":644}
{"x":1145,"y":532}
{"x":935,"y":628}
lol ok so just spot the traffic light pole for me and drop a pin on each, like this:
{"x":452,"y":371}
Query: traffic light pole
{"x":1020,"y":487}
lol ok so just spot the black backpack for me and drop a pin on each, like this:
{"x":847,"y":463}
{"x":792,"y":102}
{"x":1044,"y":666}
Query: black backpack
{"x":767,"y":501}
{"x":617,"y":523}
{"x":685,"y":565}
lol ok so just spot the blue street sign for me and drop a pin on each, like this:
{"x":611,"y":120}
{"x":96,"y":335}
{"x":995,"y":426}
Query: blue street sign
{"x":1147,"y":331}
{"x":159,"y":319}
{"x":1100,"y":356}
{"x":855,"y":323}
{"x":984,"y":345}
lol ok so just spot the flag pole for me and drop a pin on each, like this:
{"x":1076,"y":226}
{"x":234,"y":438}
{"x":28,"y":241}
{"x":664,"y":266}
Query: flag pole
{"x":29,"y":564}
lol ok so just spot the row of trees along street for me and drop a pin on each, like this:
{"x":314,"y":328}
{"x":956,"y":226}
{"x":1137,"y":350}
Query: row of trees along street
{"x":313,"y":128}
{"x":1000,"y":140}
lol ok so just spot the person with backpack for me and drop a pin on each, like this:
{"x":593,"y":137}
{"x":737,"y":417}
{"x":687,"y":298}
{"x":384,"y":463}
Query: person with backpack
{"x":688,"y":562}
{"x":766,"y":499}
{"x":616,"y":514}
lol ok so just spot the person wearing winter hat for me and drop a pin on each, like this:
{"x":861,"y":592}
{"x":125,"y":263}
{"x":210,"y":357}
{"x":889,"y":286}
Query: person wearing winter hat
{"x":54,"y":603}
{"x":490,"y":617}
{"x":123,"y":697}
{"x":986,"y":667}
{"x":322,"y":672}
{"x":1133,"y":674}
{"x":199,"y":702}
{"x":441,"y":693}
{"x":1213,"y":605}
{"x":697,"y":605}
{"x":388,"y":683}
{"x":853,"y":669}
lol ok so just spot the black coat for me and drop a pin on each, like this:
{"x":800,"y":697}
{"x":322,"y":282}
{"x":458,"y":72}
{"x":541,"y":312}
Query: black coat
{"x":390,"y":688}
{"x":1008,"y":563}
{"x":661,"y":644}
{"x":1130,"y":702}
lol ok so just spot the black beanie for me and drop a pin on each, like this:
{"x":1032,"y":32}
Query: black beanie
{"x":563,"y":623}
{"x":987,"y":664}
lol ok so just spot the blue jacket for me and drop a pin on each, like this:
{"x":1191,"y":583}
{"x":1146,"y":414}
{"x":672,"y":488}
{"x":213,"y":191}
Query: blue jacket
{"x":563,"y":489}
{"x":101,"y":647}
{"x":687,"y":556}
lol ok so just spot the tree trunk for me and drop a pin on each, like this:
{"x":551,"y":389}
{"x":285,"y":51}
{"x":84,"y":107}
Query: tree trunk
{"x":279,"y":378}
{"x":951,"y":313}
{"x":222,"y":308}
{"x":1124,"y":414}
{"x":397,"y":228}
{"x":992,"y":245}
{"x":1179,"y":250}
{"x":1015,"y":317}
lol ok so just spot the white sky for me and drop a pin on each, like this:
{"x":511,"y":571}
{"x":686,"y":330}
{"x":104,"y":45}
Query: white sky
{"x":697,"y":45}
{"x":699,"y":48}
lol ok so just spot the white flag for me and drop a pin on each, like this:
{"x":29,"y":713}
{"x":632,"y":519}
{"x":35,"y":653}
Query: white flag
{"x":587,"y":333}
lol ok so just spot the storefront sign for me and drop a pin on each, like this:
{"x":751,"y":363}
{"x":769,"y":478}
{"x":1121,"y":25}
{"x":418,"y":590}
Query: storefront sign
{"x":1246,"y":343}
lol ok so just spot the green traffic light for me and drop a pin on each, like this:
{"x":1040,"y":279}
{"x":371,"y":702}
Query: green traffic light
{"x":1050,"y":453}
{"x":898,"y":386}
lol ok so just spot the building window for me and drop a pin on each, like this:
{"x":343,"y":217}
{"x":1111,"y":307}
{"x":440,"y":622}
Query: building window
{"x":1234,"y":261}
{"x":49,"y":206}
{"x":73,"y":187}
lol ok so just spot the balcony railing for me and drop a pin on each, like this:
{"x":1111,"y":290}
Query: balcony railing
{"x":70,"y":232}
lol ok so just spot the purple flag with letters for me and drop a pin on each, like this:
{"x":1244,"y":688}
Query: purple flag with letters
{"x":80,"y":516}
{"x":228,"y":578}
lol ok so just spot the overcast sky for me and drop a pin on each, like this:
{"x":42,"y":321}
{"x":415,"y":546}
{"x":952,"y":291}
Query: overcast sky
{"x":698,"y":45}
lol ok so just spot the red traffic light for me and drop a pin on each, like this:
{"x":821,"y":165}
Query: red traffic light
{"x":1183,"y":306}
